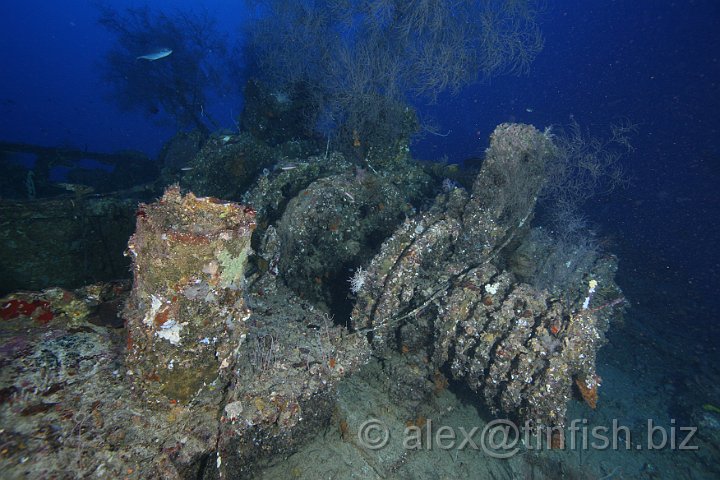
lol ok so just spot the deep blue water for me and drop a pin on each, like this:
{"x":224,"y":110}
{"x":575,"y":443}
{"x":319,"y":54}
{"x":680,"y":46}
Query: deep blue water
{"x":51,"y":91}
{"x":656,"y":63}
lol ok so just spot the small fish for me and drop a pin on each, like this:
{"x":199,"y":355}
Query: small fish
{"x":162,"y":53}
{"x":76,"y":188}
{"x":290,"y":165}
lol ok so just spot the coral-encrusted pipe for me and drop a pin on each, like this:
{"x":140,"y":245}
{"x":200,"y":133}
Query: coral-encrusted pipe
{"x":186,"y":315}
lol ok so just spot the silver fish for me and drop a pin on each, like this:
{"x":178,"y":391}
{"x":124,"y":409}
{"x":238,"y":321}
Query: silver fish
{"x":162,"y":53}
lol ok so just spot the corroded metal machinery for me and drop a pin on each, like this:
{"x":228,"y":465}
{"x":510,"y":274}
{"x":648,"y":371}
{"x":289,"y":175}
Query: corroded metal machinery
{"x":436,"y":298}
{"x":231,"y":357}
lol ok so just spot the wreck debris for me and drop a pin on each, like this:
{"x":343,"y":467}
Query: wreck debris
{"x":436,"y":290}
{"x":225,"y":166}
{"x":284,"y":384}
{"x":201,"y":336}
{"x":186,"y":314}
{"x":69,"y":241}
{"x":231,"y":366}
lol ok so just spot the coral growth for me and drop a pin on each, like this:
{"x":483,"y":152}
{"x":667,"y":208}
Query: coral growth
{"x":438,"y":285}
{"x":233,"y":358}
{"x":186,"y":311}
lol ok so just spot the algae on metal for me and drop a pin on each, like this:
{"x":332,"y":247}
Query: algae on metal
{"x":437,"y":290}
{"x":235,"y":358}
{"x":186,"y":313}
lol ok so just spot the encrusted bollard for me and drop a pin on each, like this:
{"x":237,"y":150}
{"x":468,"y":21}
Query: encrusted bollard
{"x":186,"y":314}
{"x":506,"y":189}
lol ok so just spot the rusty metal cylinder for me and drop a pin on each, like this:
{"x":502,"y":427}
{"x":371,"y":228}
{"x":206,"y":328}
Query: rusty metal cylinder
{"x":186,"y":314}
